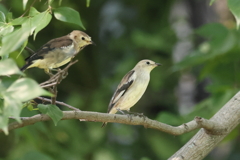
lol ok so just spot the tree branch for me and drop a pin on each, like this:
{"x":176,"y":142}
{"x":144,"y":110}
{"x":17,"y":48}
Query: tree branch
{"x":206,"y":139}
{"x":135,"y":120}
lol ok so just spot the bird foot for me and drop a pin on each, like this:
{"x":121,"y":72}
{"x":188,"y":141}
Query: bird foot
{"x":118,"y":109}
{"x":50,"y":74}
{"x":64,"y":75}
{"x":141,"y":115}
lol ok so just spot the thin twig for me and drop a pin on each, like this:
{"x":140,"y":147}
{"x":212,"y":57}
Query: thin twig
{"x":55,"y":80}
{"x":29,"y":50}
{"x":49,"y":85}
{"x":58,"y":102}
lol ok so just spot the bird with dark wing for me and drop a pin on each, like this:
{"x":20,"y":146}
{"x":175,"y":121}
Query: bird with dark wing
{"x":58,"y":52}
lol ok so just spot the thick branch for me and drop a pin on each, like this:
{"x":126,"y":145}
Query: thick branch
{"x":135,"y":120}
{"x":206,"y":140}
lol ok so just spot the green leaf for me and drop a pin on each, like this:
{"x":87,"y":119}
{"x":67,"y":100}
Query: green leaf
{"x":45,"y":18}
{"x":9,"y":16}
{"x":50,"y":2}
{"x":26,"y":89}
{"x":211,"y":2}
{"x":2,"y":17}
{"x":19,"y":21}
{"x":12,"y":106}
{"x":9,"y":67}
{"x":2,"y":90}
{"x":233,"y":5}
{"x":24,"y":4}
{"x":4,"y":123}
{"x":13,"y":41}
{"x":52,"y":111}
{"x":33,"y":12}
{"x":2,"y":24}
{"x":6,"y":30}
{"x":37,"y":22}
{"x":22,"y":48}
{"x":69,"y":15}
{"x":60,"y":2}
{"x":30,"y":107}
{"x":88,"y":3}
{"x":221,"y":40}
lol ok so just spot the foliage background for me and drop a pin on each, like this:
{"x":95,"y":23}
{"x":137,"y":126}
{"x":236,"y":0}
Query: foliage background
{"x":126,"y":32}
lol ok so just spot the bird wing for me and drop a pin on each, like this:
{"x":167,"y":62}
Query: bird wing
{"x":124,"y":85}
{"x":49,"y":46}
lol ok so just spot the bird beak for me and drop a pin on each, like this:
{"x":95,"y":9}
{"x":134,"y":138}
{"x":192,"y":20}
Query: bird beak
{"x":91,"y":42}
{"x":158,"y":64}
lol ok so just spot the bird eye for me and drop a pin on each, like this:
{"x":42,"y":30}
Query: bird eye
{"x":147,"y":62}
{"x":83,"y":38}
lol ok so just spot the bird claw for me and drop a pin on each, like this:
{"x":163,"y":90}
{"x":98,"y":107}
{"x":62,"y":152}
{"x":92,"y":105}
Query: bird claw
{"x":130,"y":117}
{"x":131,"y":114}
{"x":118,"y":109}
{"x":50,"y":74}
{"x":64,"y":75}
{"x":141,"y":115}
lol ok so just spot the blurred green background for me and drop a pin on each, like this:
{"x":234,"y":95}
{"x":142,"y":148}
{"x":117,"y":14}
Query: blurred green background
{"x":198,"y":46}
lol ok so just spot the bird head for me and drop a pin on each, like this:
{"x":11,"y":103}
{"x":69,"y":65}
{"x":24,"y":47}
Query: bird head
{"x":147,"y":64}
{"x":81,"y":38}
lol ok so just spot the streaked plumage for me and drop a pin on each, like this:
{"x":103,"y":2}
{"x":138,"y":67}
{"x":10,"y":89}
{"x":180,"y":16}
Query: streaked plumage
{"x":132,"y":87}
{"x":58,"y":52}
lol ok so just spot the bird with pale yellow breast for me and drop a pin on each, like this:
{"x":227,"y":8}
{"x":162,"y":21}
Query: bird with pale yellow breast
{"x":57,"y":52}
{"x":132,"y":87}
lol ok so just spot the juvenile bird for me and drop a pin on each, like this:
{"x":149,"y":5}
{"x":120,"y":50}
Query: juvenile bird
{"x":132,"y":87}
{"x":58,"y":52}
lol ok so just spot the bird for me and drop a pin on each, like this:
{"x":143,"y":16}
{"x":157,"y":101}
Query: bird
{"x":131,"y":87}
{"x":58,"y":52}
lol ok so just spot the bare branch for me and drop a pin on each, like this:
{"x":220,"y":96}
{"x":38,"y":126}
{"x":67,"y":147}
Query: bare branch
{"x":104,"y":117}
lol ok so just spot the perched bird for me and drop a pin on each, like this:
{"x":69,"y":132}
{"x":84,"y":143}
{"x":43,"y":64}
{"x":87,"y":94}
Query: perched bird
{"x":132,"y":87}
{"x":58,"y":52}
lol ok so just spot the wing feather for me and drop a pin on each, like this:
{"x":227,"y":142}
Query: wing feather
{"x":124,"y":85}
{"x":51,"y":45}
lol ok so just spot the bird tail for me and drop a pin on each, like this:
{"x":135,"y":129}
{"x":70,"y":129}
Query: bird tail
{"x":24,"y":67}
{"x":104,"y":124}
{"x":112,"y":111}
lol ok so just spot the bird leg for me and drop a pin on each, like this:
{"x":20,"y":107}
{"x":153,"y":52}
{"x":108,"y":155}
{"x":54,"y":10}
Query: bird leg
{"x":137,"y":114}
{"x":57,"y":70}
{"x":129,"y":115}
{"x":48,"y":72}
{"x":64,"y":75}
{"x":118,"y":109}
